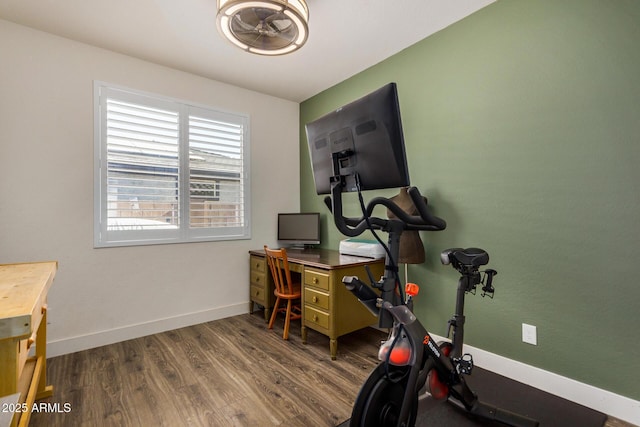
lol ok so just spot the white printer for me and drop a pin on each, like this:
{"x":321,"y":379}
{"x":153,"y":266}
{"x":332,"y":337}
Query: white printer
{"x":362,"y":247}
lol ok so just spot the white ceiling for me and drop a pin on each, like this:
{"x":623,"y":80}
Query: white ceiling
{"x":346,"y":36}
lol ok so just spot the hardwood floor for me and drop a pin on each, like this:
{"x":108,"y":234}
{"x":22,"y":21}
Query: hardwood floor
{"x":231,"y":372}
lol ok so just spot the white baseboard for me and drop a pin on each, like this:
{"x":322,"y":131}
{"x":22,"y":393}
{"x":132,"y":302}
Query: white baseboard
{"x":601,"y":400}
{"x":97,"y":339}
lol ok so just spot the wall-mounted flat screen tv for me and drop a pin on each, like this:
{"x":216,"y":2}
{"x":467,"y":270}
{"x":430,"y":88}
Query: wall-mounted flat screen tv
{"x":363,"y":137}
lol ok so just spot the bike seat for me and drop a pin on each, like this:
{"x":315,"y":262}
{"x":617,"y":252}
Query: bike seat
{"x":470,"y":257}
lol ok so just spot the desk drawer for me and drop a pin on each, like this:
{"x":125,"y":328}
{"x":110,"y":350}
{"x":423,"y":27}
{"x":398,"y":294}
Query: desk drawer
{"x":316,"y":298}
{"x":258,"y":278}
{"x":258,"y":263}
{"x":259,"y":295}
{"x":316,"y":278}
{"x":316,"y":317}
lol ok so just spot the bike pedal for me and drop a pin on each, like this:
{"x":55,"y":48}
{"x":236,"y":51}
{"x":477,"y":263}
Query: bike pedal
{"x":464,"y":365}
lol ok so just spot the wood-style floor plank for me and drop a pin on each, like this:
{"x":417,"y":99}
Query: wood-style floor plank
{"x":232,"y":372}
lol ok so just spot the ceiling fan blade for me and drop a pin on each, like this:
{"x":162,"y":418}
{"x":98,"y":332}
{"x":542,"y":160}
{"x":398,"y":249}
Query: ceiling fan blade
{"x":257,"y":15}
{"x":281,"y":25}
{"x":244,"y":28}
{"x":263,"y":28}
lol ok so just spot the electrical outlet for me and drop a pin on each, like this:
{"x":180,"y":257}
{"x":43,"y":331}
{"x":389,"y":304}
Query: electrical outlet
{"x":529,"y":334}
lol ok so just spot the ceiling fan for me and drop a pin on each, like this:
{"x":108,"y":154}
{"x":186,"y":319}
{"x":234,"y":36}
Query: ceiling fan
{"x":267,"y":27}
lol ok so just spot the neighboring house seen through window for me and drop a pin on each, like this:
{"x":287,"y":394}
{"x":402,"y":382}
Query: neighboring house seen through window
{"x":167,"y":171}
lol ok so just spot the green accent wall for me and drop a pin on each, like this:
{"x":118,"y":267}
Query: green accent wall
{"x":522,"y":127}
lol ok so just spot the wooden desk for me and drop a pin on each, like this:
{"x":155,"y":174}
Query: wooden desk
{"x":23,"y":322}
{"x":327,"y":305}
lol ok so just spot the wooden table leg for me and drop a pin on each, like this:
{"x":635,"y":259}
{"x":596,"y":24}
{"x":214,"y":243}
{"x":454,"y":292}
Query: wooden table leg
{"x":43,"y":390}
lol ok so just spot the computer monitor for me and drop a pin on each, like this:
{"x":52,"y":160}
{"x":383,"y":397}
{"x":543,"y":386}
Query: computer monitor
{"x":363,"y":137}
{"x":299,"y":229}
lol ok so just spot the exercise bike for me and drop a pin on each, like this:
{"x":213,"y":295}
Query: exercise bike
{"x":410,"y":358}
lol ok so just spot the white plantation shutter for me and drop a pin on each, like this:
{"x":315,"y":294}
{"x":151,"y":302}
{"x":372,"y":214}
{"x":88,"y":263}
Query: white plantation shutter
{"x":142,"y":166}
{"x":167,"y":171}
{"x":216,"y":171}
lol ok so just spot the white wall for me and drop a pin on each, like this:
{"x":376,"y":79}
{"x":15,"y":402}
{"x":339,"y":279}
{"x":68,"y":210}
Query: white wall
{"x":46,"y":193}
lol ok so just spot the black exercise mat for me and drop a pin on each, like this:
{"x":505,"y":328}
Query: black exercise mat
{"x":494,"y":389}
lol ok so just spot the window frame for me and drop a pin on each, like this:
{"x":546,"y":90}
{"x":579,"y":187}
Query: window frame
{"x":183,"y":233}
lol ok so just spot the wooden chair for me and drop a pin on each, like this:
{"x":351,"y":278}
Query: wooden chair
{"x":285,"y":289}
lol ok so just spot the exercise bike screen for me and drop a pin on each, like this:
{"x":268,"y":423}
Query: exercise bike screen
{"x":366,"y":136}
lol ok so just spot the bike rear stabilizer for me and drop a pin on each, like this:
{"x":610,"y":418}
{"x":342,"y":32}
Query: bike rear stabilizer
{"x":490,"y":412}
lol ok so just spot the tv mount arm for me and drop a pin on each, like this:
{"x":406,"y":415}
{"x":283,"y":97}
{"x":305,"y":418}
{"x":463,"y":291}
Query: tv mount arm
{"x":352,"y":227}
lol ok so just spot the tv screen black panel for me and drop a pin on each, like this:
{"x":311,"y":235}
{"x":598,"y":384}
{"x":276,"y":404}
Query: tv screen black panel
{"x":299,"y":228}
{"x":368,"y":135}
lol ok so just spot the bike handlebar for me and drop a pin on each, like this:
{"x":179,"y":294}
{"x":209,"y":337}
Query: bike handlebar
{"x":355,"y":226}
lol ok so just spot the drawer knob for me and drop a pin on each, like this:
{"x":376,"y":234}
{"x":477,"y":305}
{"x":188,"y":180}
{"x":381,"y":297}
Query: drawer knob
{"x":315,"y":280}
{"x":315,"y":317}
{"x":314,"y":299}
{"x":257,"y":279}
{"x":257,"y":293}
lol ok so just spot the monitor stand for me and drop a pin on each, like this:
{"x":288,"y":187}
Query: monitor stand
{"x":298,"y":247}
{"x":308,"y":251}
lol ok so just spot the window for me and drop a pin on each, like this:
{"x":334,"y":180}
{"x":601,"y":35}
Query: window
{"x":167,"y":171}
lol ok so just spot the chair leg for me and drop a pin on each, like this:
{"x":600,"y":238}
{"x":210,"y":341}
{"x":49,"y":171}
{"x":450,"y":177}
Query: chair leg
{"x":275,"y":312}
{"x":287,"y":320}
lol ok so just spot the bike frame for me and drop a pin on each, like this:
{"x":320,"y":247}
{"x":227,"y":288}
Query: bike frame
{"x":394,"y":227}
{"x":393,"y":312}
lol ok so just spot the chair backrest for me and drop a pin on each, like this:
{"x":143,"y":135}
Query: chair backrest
{"x":279,"y":266}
